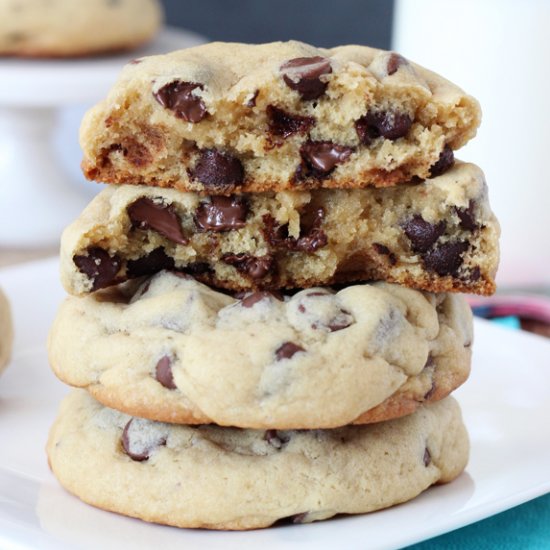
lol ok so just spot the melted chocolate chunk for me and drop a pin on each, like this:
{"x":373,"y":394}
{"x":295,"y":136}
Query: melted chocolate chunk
{"x":222,"y":213}
{"x":467,"y":217}
{"x":250,"y":299}
{"x":446,"y":259}
{"x":385,"y":251}
{"x":311,"y":238}
{"x":99,"y":267}
{"x":303,"y":75}
{"x":387,"y":124}
{"x":427,"y":458}
{"x":163,"y":373}
{"x":138,"y":452}
{"x":446,"y":160}
{"x":218,"y":171}
{"x":394,"y":62}
{"x":179,"y":97}
{"x":155,"y":261}
{"x":148,"y":214}
{"x":284,"y":124}
{"x":423,"y":234}
{"x":252,"y":266}
{"x":276,"y":439}
{"x":287,"y":350}
{"x":321,"y":157}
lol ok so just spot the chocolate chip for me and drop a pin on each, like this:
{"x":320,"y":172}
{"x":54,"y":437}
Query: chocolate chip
{"x":148,"y":214}
{"x":429,"y":361}
{"x":427,"y":457}
{"x":287,"y":350}
{"x":430,"y":392}
{"x":296,"y":519}
{"x":136,"y":61}
{"x":340,"y":322}
{"x":252,"y":101}
{"x":388,"y":124}
{"x":467,"y":217}
{"x":474,"y":274}
{"x":250,"y":299}
{"x":446,"y":259}
{"x":446,"y":160}
{"x":255,"y":267}
{"x":134,"y":446}
{"x":423,"y":234}
{"x":394,"y":62}
{"x":323,"y":311}
{"x":385,"y":251}
{"x":328,"y":292}
{"x":430,"y":364}
{"x":98,"y":266}
{"x":133,"y":151}
{"x":276,"y":439}
{"x":163,"y":373}
{"x":222,"y":213}
{"x":218,"y":171}
{"x":323,"y":156}
{"x":284,"y":124}
{"x":197,"y":268}
{"x":311,"y":238}
{"x":155,"y":261}
{"x":303,"y":75}
{"x":141,"y":291}
{"x":178,"y":96}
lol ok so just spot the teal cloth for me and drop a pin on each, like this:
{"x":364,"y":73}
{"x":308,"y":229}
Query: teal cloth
{"x":524,"y":527}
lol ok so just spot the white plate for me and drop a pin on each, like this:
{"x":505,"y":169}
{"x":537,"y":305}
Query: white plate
{"x":505,"y":405}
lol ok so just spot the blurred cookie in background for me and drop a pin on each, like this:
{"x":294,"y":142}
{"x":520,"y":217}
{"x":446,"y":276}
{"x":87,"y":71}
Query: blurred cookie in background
{"x":6,"y":331}
{"x":65,"y":28}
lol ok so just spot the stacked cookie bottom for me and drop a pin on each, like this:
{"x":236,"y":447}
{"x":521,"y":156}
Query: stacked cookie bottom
{"x":187,"y":364}
{"x":233,"y":409}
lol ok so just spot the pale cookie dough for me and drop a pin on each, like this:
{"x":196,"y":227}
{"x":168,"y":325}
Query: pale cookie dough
{"x":223,"y":118}
{"x":226,"y":478}
{"x":6,"y":331}
{"x":177,"y":351}
{"x":67,"y":28}
{"x":440,"y":236}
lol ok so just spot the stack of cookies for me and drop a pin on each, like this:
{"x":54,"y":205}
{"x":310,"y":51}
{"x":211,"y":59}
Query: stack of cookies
{"x":265,"y":309}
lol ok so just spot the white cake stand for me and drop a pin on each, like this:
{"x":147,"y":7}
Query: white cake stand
{"x":38,"y":197}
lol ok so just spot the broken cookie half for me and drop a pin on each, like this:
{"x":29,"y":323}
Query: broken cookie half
{"x":439,"y":235}
{"x":231,"y":118}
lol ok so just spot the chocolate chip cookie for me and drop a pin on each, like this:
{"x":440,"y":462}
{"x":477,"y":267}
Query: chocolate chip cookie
{"x":227,"y":478}
{"x":6,"y":331}
{"x":439,"y":236}
{"x":228,"y":118}
{"x":174,"y":350}
{"x":65,"y":28}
